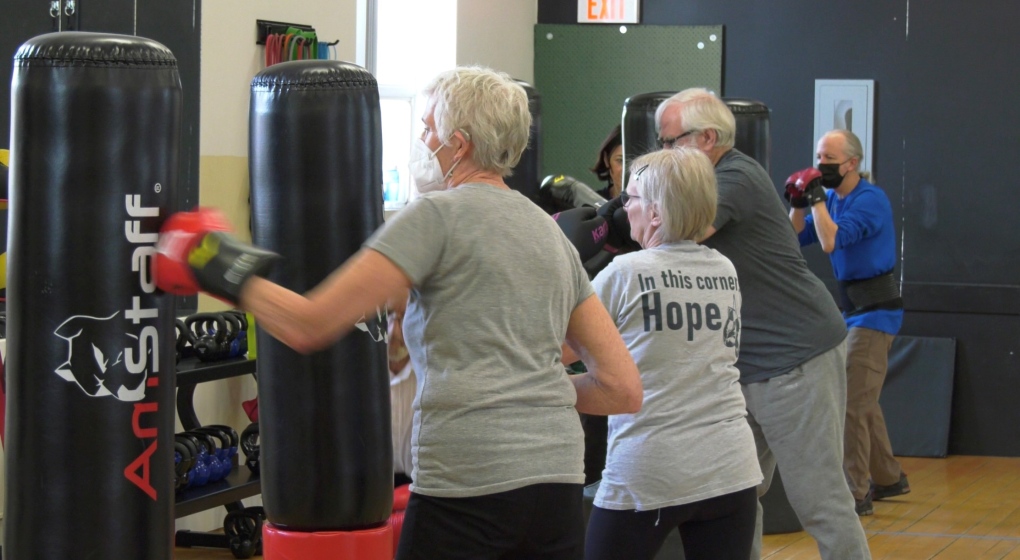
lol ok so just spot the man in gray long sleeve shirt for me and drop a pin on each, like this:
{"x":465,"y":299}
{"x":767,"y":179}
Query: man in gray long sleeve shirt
{"x":792,"y":353}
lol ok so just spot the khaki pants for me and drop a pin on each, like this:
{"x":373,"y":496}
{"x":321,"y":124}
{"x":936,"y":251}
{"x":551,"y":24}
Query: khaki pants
{"x":867,"y":454}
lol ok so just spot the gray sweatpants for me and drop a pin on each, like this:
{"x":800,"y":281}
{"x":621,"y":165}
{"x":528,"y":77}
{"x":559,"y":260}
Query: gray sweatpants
{"x":797,"y":420}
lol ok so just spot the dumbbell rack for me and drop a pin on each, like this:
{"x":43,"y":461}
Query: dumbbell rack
{"x":240,"y":483}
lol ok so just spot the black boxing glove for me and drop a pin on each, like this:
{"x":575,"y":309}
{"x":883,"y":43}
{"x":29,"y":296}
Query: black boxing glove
{"x":619,"y":226}
{"x":813,"y":190}
{"x":585,"y":229}
{"x":566,"y":192}
{"x":594,"y":265}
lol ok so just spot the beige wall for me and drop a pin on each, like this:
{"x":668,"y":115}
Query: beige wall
{"x":230,"y":59}
{"x":498,"y":34}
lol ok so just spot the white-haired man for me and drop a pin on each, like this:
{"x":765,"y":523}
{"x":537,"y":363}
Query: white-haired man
{"x":792,"y":354}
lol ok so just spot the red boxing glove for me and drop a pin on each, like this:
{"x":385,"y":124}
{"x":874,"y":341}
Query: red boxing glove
{"x":792,"y":194}
{"x":804,"y":188}
{"x":195,"y":253}
{"x":178,"y":236}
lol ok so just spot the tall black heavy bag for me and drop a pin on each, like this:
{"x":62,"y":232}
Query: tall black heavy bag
{"x":753,"y":136}
{"x":638,"y":126}
{"x":90,"y":351}
{"x":316,"y":173}
{"x":640,"y":136}
{"x":527,"y":174}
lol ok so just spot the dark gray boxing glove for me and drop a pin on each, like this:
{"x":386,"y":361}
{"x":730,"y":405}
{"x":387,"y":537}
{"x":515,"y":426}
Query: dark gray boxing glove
{"x":584,"y":228}
{"x":566,"y":192}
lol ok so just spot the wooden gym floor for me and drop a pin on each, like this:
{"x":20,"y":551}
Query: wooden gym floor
{"x":965,"y":508}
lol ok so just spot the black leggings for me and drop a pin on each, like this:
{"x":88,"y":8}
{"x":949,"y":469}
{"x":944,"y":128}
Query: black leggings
{"x":720,"y":528}
{"x":541,"y":521}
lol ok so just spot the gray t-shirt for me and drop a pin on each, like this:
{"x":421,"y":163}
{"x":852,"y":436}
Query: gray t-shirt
{"x":678,"y":309}
{"x":789,"y":316}
{"x":494,"y":284}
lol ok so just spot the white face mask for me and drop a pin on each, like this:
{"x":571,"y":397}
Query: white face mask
{"x":425,"y":169}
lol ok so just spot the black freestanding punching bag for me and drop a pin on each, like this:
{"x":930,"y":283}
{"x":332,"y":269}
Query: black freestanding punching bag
{"x":527,"y":173}
{"x":752,"y":129}
{"x":640,"y":136}
{"x":315,"y":152}
{"x":638,"y":126}
{"x":90,"y":350}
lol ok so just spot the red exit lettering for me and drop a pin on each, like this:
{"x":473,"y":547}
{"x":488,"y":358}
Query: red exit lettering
{"x":605,"y":9}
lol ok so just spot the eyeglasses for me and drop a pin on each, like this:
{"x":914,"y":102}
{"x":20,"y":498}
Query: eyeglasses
{"x":626,"y":198}
{"x":670,"y":142}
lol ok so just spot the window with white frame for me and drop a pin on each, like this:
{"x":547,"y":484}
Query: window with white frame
{"x":413,"y":41}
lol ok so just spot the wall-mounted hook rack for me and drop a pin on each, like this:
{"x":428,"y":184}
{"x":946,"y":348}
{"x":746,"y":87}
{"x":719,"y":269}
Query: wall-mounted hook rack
{"x":263,"y":28}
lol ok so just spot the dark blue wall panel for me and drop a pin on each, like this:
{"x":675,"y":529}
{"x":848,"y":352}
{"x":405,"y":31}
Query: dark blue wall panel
{"x":945,"y":142}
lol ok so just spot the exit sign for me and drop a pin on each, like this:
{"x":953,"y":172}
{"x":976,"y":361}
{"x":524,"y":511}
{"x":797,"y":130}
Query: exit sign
{"x":608,"y":11}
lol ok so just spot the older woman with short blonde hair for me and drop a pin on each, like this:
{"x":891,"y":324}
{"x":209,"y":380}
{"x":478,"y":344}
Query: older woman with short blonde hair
{"x":492,"y":289}
{"x":680,"y":190}
{"x":686,"y":461}
{"x":494,"y":285}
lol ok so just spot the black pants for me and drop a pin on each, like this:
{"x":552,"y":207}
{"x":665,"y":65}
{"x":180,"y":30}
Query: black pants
{"x":542,"y":521}
{"x":400,"y":479}
{"x":719,"y":528}
{"x":596,"y":441}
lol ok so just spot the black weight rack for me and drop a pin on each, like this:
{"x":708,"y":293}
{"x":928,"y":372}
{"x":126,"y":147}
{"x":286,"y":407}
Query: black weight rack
{"x":240,"y":483}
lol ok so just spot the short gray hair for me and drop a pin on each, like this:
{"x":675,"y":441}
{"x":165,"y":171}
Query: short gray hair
{"x":681,"y":184}
{"x":702,"y":110}
{"x":852,"y":148}
{"x":490,"y":107}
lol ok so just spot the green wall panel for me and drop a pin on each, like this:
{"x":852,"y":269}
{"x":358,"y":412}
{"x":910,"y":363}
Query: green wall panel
{"x":583,"y":74}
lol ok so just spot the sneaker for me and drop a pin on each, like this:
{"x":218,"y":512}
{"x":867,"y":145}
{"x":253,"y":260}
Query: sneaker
{"x":864,"y":507}
{"x":879,"y":492}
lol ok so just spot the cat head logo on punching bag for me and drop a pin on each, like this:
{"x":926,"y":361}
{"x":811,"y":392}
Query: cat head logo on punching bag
{"x":96,"y":359}
{"x":376,"y":328}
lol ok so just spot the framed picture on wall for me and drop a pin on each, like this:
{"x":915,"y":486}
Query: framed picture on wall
{"x":849,"y":105}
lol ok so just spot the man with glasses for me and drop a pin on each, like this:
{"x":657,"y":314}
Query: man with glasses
{"x":672,"y":142}
{"x":792,"y":357}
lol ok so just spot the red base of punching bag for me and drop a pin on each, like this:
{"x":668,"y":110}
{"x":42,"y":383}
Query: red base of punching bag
{"x":278,"y":544}
{"x":401,"y":495}
{"x":368,"y":544}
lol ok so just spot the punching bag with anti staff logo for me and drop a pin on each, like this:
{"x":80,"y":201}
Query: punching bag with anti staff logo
{"x":90,"y":373}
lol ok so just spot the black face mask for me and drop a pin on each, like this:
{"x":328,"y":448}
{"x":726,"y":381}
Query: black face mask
{"x":830,"y":174}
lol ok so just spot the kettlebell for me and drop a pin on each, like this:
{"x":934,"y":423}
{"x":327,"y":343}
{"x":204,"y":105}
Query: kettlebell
{"x":210,"y":331}
{"x":250,"y":446}
{"x":184,"y":460}
{"x":244,"y":532}
{"x":222,"y":466}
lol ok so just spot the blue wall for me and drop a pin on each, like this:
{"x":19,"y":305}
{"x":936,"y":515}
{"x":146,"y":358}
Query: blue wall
{"x":946,"y":134}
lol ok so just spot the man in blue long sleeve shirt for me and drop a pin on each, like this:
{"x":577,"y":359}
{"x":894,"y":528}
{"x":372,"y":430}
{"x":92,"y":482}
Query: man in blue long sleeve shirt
{"x":854,"y":225}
